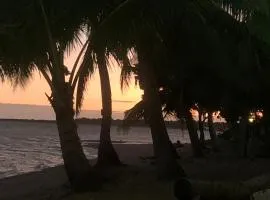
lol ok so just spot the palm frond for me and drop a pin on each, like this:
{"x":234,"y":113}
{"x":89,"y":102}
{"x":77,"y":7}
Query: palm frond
{"x":239,"y":9}
{"x":25,"y":37}
{"x":126,"y":73}
{"x":52,"y":43}
{"x":1,"y":74}
{"x":125,"y":77}
{"x":77,"y":61}
{"x":76,"y":42}
{"x":135,"y":113}
{"x":18,"y":75}
{"x":84,"y":73}
{"x":256,"y":14}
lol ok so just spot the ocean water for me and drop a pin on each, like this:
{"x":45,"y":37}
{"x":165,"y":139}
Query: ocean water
{"x":33,"y":146}
{"x":38,"y":112}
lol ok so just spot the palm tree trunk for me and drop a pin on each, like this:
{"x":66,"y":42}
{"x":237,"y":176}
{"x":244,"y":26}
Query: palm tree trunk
{"x":266,"y":120}
{"x":167,"y":165}
{"x":192,"y":130}
{"x":106,"y":153}
{"x":78,"y":169}
{"x":212,"y":131}
{"x":201,"y":129}
{"x":243,"y":130}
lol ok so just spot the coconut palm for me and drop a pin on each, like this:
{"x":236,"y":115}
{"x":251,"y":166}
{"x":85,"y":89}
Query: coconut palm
{"x":45,"y":32}
{"x":215,"y":50}
{"x":106,"y":153}
{"x":108,"y":38}
{"x":150,"y":41}
{"x":255,"y":15}
{"x":122,"y":25}
{"x":139,"y":26}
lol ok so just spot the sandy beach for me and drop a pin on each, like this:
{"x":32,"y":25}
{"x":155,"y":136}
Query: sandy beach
{"x":135,"y":181}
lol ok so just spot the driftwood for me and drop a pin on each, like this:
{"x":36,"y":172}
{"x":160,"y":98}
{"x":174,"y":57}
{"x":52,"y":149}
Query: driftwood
{"x":220,"y":190}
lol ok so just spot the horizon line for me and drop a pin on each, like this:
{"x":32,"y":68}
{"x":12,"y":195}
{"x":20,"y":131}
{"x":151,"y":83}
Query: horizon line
{"x":25,"y":104}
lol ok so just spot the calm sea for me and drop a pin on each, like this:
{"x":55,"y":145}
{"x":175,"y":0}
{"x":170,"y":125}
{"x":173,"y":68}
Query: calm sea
{"x":32,"y":146}
{"x":17,"y":111}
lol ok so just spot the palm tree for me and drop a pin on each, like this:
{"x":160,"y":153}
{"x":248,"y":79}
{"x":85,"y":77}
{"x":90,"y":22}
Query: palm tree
{"x":107,"y":155}
{"x":151,"y":25}
{"x":150,"y":108}
{"x":220,"y":41}
{"x":165,"y":157}
{"x":148,"y":66}
{"x":255,"y":16}
{"x":154,"y":26}
{"x":106,"y":152}
{"x":41,"y":45}
{"x":212,"y":131}
{"x":114,"y":45}
{"x":201,"y":121}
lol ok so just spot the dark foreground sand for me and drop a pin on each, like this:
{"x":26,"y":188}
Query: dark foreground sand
{"x":136,"y":181}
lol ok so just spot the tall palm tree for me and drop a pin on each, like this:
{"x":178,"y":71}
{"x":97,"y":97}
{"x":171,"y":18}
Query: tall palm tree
{"x":97,"y":51}
{"x":166,"y":163}
{"x":201,"y":121}
{"x":152,"y":39}
{"x":106,"y":152}
{"x":218,"y":33}
{"x":168,"y":167}
{"x":212,"y":131}
{"x":199,"y":13}
{"x":107,"y":155}
{"x":41,"y":44}
{"x":255,"y":15}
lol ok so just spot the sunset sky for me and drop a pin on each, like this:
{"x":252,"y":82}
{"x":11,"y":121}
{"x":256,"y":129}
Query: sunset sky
{"x":34,"y":92}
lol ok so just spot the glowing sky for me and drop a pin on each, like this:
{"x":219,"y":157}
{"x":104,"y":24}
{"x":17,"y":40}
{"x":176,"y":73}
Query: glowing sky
{"x":34,"y":92}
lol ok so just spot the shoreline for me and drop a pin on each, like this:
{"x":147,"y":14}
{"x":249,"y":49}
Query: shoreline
{"x":138,"y":178}
{"x":115,"y":122}
{"x":96,"y":121}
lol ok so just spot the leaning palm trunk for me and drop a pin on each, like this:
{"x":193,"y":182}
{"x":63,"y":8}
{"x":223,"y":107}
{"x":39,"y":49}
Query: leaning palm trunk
{"x":201,"y":129}
{"x":212,"y":131}
{"x":243,"y":136}
{"x":106,"y":152}
{"x":77,"y":166}
{"x":167,"y":166}
{"x":192,"y":130}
